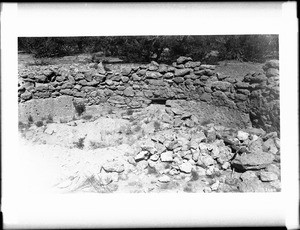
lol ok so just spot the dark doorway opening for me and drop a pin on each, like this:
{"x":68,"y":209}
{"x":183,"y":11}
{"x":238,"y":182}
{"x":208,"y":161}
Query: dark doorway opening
{"x":159,"y":101}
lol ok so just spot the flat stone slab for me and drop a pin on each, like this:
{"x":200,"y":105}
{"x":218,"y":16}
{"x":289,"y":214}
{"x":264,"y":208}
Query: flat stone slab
{"x":61,"y":107}
{"x":253,"y":161}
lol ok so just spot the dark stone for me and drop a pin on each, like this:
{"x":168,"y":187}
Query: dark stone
{"x":141,"y":72}
{"x":135,"y":77}
{"x":221,"y":85}
{"x":126,"y":71}
{"x":206,"y":97}
{"x":242,"y":85}
{"x":116,"y":78}
{"x":162,"y":68}
{"x":78,"y":94}
{"x":271,"y":64}
{"x":92,"y":83}
{"x":124,"y":79}
{"x":66,"y":91}
{"x":272,"y":72}
{"x":255,"y":78}
{"x":181,"y":72}
{"x":178,"y":79}
{"x":191,"y":64}
{"x":26,"y":95}
{"x":257,"y":160}
{"x":204,"y":78}
{"x":244,"y":91}
{"x":67,"y":85}
{"x":199,"y":72}
{"x":129,"y":92}
{"x":168,"y":75}
{"x":82,"y":82}
{"x":153,"y":75}
{"x":79,"y":76}
{"x":182,"y":60}
{"x":40,"y":78}
{"x":41,"y":87}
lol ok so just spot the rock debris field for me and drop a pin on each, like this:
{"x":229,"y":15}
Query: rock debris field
{"x":167,"y":145}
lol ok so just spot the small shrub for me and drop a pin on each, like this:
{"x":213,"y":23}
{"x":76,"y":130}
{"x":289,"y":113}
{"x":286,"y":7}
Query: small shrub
{"x":97,"y":185}
{"x":96,"y":145}
{"x":152,"y":170}
{"x":188,"y":188}
{"x":164,"y":186}
{"x":79,"y":108}
{"x":22,"y":125}
{"x":195,"y":176}
{"x":129,"y":112}
{"x":214,"y":174}
{"x":128,"y":131}
{"x":110,"y":111}
{"x":156,"y":125}
{"x":134,"y":123}
{"x":30,"y":119}
{"x":87,"y":117}
{"x":49,"y":119}
{"x":137,"y":128}
{"x":131,"y":119}
{"x":62,"y":121}
{"x":39,"y":123}
{"x":80,"y":143}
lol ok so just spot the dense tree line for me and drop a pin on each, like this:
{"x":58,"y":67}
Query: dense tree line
{"x":165,"y":49}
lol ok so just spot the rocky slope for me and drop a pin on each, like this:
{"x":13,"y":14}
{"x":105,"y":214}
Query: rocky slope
{"x":160,"y":148}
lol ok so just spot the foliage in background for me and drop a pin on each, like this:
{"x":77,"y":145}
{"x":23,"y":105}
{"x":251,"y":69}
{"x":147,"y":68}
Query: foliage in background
{"x":163,"y":49}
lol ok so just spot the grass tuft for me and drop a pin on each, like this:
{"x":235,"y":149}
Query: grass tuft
{"x":79,"y":108}
{"x":87,"y":117}
{"x":39,"y":123}
{"x":80,"y":143}
{"x":30,"y":119}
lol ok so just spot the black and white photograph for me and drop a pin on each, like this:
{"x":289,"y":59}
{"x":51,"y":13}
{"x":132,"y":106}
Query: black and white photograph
{"x":153,"y":113}
{"x":115,"y":114}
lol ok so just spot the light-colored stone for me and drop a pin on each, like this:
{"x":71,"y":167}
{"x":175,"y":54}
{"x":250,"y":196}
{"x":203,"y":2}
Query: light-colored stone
{"x":164,"y":179}
{"x":186,"y":167}
{"x":226,"y":165}
{"x":242,"y":136}
{"x":141,"y":165}
{"x":166,"y":156}
{"x":215,"y":186}
{"x":268,"y":176}
{"x":249,"y":175}
{"x":113,"y":167}
{"x":270,"y":146}
{"x":142,"y":155}
{"x":154,"y":157}
{"x":253,"y":161}
{"x":182,"y":60}
{"x":207,"y":190}
{"x":207,"y":160}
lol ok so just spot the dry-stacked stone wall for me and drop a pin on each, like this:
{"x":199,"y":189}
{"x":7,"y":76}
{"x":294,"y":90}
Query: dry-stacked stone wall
{"x":135,"y":87}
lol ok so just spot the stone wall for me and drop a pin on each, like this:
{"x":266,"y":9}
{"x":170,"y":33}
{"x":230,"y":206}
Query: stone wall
{"x":264,"y":106}
{"x":256,"y":93}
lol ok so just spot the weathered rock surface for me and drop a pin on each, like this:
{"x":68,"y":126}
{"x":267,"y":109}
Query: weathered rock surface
{"x":253,"y":160}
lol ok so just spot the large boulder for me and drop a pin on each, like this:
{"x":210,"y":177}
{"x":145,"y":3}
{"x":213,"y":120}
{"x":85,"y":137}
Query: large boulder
{"x":253,"y":161}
